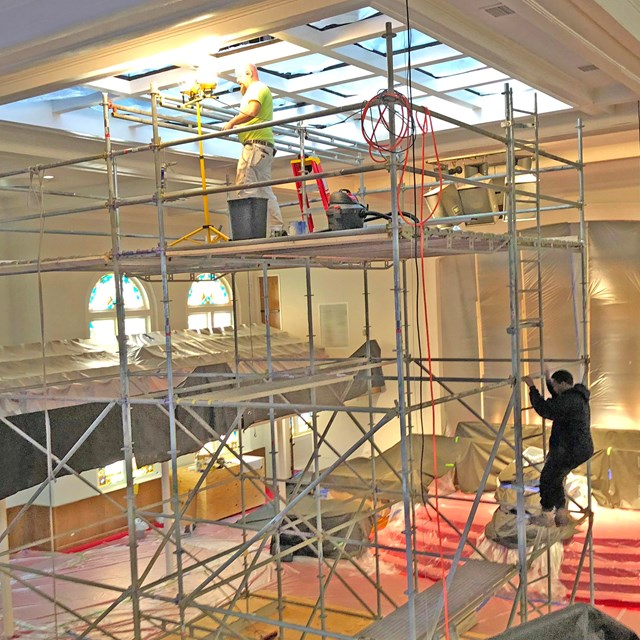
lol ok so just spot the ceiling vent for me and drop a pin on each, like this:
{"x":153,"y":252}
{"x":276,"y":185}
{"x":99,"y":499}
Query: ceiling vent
{"x":499,"y":10}
{"x":588,"y":67}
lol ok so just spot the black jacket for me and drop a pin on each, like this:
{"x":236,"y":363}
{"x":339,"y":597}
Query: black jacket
{"x":569,"y":411}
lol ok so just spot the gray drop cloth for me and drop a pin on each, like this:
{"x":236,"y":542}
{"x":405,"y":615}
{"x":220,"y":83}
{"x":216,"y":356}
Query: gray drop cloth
{"x":356,"y":475}
{"x":577,"y":622}
{"x":336,"y":517}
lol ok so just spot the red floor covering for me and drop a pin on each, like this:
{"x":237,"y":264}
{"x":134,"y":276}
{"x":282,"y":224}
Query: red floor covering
{"x":616,"y":554}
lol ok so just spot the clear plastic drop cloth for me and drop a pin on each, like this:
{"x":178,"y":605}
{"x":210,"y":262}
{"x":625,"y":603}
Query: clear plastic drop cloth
{"x":474,"y":303}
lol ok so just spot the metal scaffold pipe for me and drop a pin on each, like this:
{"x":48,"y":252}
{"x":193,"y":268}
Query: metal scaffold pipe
{"x":515,"y":334}
{"x":315,"y":136}
{"x":127,"y":434}
{"x":399,"y":346}
{"x":174,"y":531}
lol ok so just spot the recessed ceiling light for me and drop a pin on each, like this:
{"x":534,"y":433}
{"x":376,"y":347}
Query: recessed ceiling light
{"x":48,"y":177}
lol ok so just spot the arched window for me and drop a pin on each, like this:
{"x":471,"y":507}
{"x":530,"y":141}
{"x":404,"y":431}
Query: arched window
{"x":102,"y":308}
{"x":210,"y":303}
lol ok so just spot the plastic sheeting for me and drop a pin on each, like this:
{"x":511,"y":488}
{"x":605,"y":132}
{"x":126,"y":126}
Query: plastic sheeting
{"x":110,"y":565}
{"x":614,"y":300}
{"x":578,"y":622}
{"x":536,"y":582}
{"x":89,"y":369}
{"x":475,"y":315}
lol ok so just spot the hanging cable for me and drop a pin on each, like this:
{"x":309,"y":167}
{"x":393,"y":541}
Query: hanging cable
{"x":375,"y":125}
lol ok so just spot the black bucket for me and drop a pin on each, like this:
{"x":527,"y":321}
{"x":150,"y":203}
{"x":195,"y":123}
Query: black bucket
{"x":248,"y":217}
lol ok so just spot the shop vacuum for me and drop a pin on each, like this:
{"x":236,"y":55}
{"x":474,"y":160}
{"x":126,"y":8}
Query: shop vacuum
{"x":347,"y":212}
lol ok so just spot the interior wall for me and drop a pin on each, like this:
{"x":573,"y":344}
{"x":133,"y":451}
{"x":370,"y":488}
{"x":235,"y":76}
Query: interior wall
{"x":330,"y":286}
{"x":66,"y":295}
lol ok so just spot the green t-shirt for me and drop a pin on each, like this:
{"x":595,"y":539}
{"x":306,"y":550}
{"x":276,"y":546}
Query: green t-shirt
{"x":259,"y":92}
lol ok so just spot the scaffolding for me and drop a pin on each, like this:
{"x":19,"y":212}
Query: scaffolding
{"x":174,"y":592}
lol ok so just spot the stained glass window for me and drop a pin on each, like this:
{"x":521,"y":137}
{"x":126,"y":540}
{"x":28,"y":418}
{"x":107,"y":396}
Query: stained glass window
{"x":211,"y":299}
{"x":102,"y":308}
{"x":208,"y":288}
{"x":103,"y":295}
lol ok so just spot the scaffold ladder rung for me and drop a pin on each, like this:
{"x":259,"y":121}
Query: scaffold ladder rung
{"x":529,"y":349}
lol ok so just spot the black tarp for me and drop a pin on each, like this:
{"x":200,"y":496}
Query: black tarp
{"x":577,"y":622}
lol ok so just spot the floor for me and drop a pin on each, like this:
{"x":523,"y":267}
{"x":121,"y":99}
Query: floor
{"x":348,"y":598}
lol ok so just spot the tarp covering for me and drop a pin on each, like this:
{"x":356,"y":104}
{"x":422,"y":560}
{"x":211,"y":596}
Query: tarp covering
{"x":348,"y":520}
{"x":615,"y":466}
{"x":89,"y":369}
{"x":357,"y":474}
{"x":474,"y":303}
{"x":577,"y":622}
{"x":471,"y":466}
{"x":193,"y":353}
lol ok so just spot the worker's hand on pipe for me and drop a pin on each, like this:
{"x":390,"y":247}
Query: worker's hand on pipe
{"x":227,"y":126}
{"x":528,"y":380}
{"x":547,"y":373}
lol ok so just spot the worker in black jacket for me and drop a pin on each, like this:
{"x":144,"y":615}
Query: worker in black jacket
{"x":570,"y":444}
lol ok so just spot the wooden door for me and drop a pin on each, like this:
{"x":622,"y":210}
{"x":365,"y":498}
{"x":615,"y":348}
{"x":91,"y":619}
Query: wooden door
{"x":273,"y":284}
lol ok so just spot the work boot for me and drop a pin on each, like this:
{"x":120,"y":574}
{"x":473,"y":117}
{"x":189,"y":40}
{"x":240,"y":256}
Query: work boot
{"x":544,"y":519}
{"x":563,"y":518}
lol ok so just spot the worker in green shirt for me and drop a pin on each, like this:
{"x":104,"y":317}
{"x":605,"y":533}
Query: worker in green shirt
{"x":258,"y":149}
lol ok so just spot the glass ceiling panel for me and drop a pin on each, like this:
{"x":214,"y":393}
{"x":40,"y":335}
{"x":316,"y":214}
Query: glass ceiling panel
{"x":454,"y":67}
{"x":313,"y":63}
{"x":463,"y":94}
{"x":400,"y":42}
{"x":63,"y":94}
{"x":143,"y":73}
{"x":359,"y":87}
{"x":496,"y":88}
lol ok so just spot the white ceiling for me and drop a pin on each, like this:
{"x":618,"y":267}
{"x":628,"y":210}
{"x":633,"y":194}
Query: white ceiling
{"x":582,"y":57}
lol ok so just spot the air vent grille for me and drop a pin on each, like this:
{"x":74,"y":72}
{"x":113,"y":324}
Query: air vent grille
{"x":334,"y":324}
{"x":588,"y":67}
{"x":499,"y":10}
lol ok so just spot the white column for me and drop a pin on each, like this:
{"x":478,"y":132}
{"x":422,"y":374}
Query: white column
{"x":283,"y":448}
{"x":166,"y":511}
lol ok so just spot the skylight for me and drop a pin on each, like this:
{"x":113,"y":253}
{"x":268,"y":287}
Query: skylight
{"x":401,"y":43}
{"x":305,"y":65}
{"x":310,"y":67}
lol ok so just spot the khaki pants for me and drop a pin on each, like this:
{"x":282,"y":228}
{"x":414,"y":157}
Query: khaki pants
{"x":254,"y":165}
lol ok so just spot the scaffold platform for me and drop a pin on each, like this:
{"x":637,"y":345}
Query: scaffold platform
{"x":472,"y":583}
{"x":351,"y":248}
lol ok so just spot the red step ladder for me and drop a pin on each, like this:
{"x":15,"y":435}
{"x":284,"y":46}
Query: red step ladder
{"x":311,"y":165}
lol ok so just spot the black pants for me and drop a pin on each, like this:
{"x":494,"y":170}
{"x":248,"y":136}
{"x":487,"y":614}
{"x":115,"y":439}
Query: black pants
{"x":556,"y":468}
